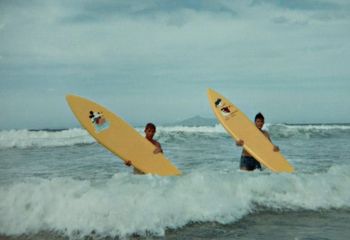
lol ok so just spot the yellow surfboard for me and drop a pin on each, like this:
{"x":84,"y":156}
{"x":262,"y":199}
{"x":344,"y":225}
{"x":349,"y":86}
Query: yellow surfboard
{"x":119,"y":137}
{"x":240,"y":127}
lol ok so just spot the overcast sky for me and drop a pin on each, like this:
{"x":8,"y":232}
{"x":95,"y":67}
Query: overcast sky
{"x":154,"y":60}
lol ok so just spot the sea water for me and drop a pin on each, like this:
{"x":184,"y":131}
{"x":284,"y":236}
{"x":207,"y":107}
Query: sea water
{"x":61,"y":184}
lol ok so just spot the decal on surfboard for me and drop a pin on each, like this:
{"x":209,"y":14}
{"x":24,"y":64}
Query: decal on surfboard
{"x":225,"y":109}
{"x":99,"y":121}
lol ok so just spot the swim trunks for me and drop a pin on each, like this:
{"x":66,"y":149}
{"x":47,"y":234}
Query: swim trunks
{"x":249,"y":163}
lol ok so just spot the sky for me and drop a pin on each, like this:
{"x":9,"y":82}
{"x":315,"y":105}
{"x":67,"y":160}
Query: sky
{"x":153,"y":60}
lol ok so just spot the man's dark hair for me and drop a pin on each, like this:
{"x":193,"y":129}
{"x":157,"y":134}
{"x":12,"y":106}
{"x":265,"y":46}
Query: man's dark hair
{"x":151,"y":126}
{"x":259,"y":116}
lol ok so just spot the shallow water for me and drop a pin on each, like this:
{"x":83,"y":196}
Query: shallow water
{"x":61,"y":184}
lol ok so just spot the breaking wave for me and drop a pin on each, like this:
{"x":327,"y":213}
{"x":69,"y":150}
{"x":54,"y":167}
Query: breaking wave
{"x":126,"y":204}
{"x":49,"y":138}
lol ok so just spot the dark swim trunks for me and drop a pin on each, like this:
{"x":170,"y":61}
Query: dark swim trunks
{"x":249,"y":163}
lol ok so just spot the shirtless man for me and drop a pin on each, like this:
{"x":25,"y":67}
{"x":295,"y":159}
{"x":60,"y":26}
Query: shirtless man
{"x":150,"y":130}
{"x":248,"y":163}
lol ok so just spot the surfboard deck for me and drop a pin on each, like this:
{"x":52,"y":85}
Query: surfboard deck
{"x":119,"y":137}
{"x":238,"y":125}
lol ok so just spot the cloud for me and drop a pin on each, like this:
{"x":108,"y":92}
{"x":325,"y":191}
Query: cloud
{"x":86,"y":12}
{"x":305,"y":5}
{"x":171,"y":50}
{"x":106,"y":34}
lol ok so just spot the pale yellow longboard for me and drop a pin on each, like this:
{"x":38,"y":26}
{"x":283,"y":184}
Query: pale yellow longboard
{"x":119,"y":137}
{"x":240,"y":127}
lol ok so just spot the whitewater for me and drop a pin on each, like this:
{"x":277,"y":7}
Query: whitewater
{"x":58,"y":184}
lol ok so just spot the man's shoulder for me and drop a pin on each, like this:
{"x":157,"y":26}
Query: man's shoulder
{"x":266,"y":133}
{"x":155,"y":142}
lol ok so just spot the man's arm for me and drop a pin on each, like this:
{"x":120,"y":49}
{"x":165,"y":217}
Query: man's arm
{"x":158,"y":148}
{"x":275,"y":147}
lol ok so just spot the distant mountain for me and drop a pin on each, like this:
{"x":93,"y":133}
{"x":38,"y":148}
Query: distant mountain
{"x":197,"y":121}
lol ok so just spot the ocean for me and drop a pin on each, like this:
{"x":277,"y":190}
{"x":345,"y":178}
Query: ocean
{"x":61,"y":184}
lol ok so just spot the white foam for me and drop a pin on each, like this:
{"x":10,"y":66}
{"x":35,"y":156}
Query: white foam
{"x":127,"y":204}
{"x":200,"y":129}
{"x":26,"y":139}
{"x":308,"y":131}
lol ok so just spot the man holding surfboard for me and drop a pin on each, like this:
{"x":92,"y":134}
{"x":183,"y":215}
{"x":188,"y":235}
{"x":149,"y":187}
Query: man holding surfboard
{"x":248,"y":162}
{"x":150,"y":130}
{"x":256,"y":141}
